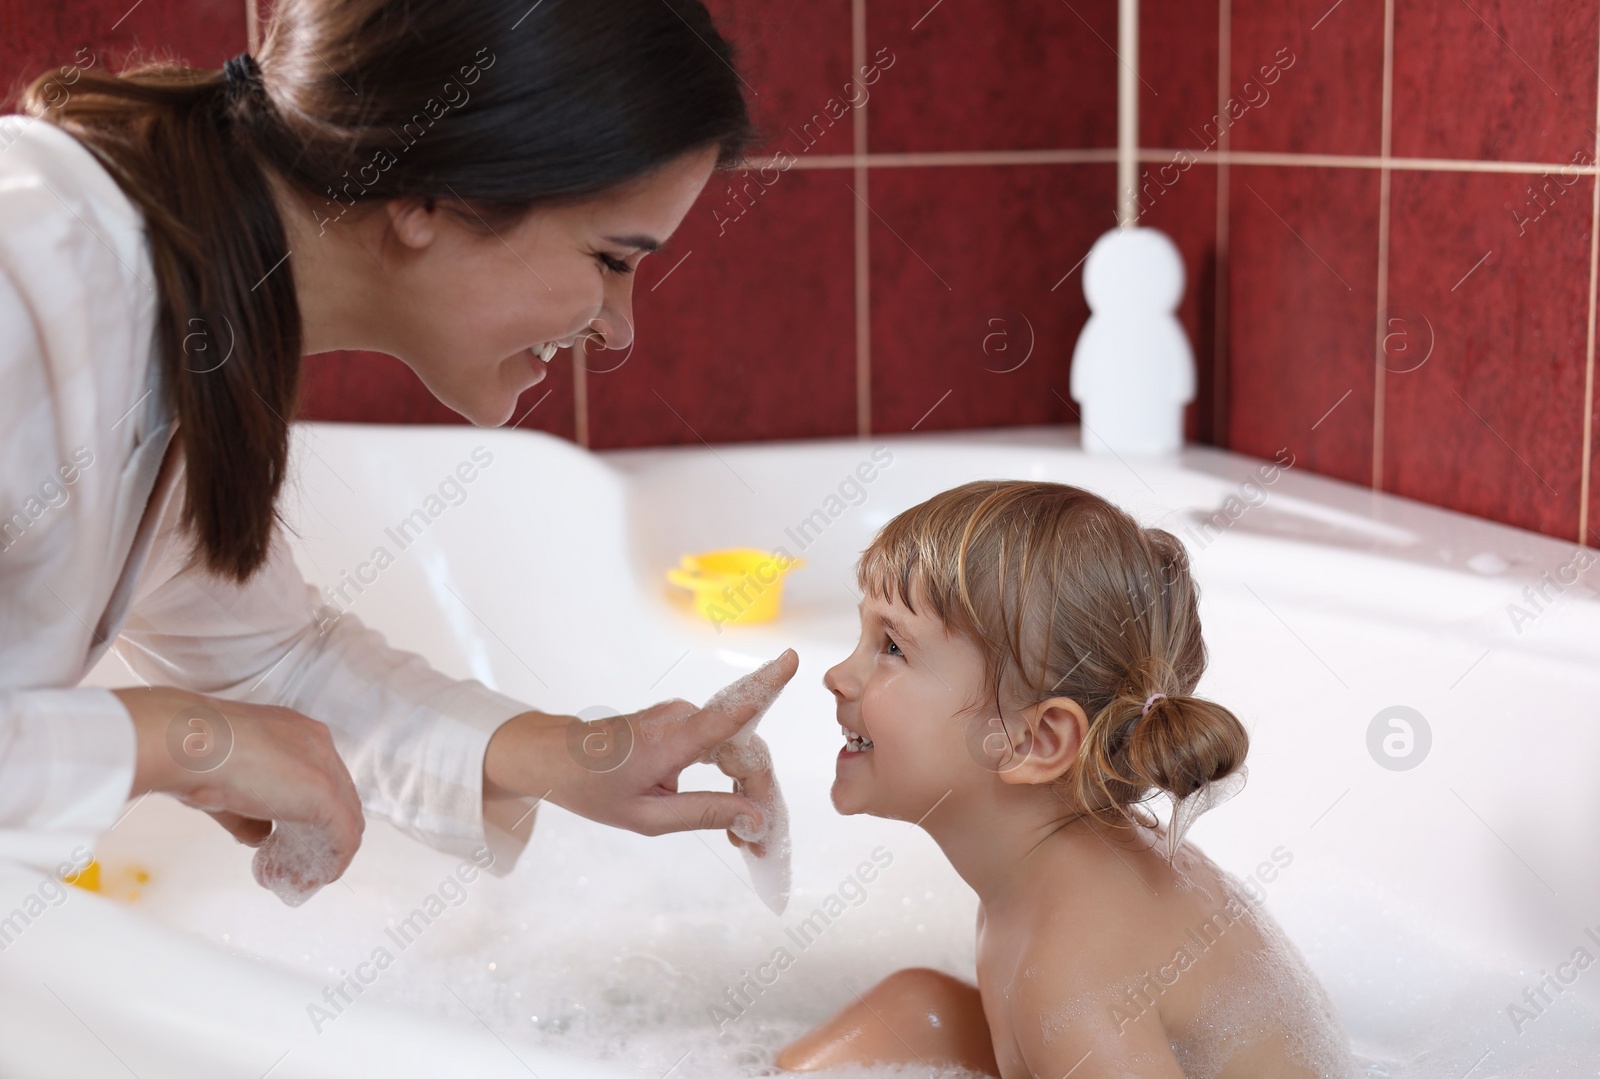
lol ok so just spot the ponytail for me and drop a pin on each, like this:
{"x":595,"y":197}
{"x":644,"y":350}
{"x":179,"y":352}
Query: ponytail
{"x":179,"y":143}
{"x":1177,"y":745}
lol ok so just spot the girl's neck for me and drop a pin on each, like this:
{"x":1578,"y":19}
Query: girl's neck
{"x":994,"y":838}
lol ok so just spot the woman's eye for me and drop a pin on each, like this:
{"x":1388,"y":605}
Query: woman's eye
{"x":615,"y":265}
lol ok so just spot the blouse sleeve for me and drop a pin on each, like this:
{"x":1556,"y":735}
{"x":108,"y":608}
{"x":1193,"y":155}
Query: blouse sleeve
{"x":413,"y":738}
{"x":66,"y":277}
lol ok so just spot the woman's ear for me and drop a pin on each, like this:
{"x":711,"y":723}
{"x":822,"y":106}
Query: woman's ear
{"x":1056,"y":731}
{"x":414,"y":221}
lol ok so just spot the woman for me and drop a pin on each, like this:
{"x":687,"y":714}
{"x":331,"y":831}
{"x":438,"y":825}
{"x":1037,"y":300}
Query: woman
{"x":466,"y":186}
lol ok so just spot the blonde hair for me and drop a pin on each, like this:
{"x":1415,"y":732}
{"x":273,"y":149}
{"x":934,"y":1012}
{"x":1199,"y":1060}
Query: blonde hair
{"x":1066,"y":595}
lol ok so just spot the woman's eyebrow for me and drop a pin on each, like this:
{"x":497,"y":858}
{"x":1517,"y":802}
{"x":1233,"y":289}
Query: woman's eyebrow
{"x":639,"y":240}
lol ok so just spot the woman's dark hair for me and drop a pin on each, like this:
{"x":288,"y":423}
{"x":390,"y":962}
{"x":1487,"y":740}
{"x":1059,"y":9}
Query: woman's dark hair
{"x":492,"y":107}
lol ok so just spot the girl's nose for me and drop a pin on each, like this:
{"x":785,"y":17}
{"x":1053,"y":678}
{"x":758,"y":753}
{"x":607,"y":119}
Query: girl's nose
{"x":837,"y":679}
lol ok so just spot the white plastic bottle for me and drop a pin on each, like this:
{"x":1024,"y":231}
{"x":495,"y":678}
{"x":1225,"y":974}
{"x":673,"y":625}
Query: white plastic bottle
{"x":1133,"y":369}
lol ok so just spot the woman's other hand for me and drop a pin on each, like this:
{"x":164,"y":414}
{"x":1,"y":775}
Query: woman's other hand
{"x":269,"y":775}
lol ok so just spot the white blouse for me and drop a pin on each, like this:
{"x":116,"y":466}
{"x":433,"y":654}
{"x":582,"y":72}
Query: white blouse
{"x":91,"y":557}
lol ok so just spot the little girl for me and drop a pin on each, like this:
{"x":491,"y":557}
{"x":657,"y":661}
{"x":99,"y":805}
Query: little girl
{"x":1022,"y":684}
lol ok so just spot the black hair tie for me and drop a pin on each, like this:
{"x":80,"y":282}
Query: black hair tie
{"x":242,"y":74}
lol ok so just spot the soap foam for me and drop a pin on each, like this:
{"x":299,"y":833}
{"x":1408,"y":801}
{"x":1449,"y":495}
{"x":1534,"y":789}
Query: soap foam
{"x":618,"y":946}
{"x":656,"y":719}
{"x":613,"y":946}
{"x":295,"y":863}
{"x":769,"y":871}
{"x":758,"y":689}
{"x":745,"y":754}
{"x":1269,"y":994}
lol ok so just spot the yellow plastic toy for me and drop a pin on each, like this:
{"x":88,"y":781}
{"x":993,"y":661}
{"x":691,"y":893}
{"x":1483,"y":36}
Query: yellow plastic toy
{"x":87,"y":878}
{"x":124,"y":884}
{"x":735,"y":584}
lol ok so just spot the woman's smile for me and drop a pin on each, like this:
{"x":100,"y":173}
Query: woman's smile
{"x":539,"y":357}
{"x":537,"y":364}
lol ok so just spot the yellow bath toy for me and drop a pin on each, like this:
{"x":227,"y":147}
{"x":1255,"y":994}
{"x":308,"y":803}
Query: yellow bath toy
{"x":87,"y":878}
{"x":121,"y":883}
{"x":735,"y":584}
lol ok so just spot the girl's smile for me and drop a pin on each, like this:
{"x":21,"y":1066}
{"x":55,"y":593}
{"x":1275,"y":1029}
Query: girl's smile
{"x":901,"y":696}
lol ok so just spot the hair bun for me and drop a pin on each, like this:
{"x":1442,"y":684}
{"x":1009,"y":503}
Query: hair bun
{"x":1186,"y":745}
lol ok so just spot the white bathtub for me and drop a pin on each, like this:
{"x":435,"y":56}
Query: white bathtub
{"x":1428,"y":899}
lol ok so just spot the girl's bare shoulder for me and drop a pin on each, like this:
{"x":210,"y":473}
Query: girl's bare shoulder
{"x":1128,"y":933}
{"x":1127,"y":954}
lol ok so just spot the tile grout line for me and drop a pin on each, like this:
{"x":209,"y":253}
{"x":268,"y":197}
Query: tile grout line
{"x":1220,"y":351}
{"x":1382,"y":298}
{"x":1587,"y":450}
{"x":580,"y":396}
{"x":1104,"y":155}
{"x":1380,"y":161}
{"x":863,"y":261}
{"x":1127,"y":113}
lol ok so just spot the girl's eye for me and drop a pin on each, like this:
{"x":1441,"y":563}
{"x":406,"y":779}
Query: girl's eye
{"x":615,"y":265}
{"x":894,"y":649}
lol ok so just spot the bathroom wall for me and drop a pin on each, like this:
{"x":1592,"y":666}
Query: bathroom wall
{"x":37,"y":37}
{"x":1403,"y":208}
{"x":1389,"y":238}
{"x":909,"y":260}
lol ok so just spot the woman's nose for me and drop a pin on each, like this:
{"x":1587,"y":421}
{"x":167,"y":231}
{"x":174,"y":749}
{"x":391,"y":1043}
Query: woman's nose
{"x":613,"y":326}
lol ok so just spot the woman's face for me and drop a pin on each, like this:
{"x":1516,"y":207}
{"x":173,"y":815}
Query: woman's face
{"x":908,"y":688}
{"x":468,"y":310}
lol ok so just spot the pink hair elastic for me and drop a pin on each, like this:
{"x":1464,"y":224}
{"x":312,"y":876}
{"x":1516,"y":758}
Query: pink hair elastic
{"x":1148,"y":701}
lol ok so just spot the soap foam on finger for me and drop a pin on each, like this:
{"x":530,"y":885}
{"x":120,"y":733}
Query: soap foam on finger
{"x":745,"y":755}
{"x":759,"y":688}
{"x":295,"y":863}
{"x":769,"y":870}
{"x":658,"y":719}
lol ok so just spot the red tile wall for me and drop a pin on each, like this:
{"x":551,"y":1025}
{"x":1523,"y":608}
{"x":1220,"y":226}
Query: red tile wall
{"x":1405,"y":279}
{"x":35,"y":37}
{"x":1388,"y":271}
{"x":760,"y":333}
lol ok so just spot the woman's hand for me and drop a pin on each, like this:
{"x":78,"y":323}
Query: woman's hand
{"x":269,"y":775}
{"x":624,"y":771}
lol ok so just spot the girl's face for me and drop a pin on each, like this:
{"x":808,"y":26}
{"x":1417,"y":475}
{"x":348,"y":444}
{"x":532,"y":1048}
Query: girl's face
{"x":468,"y":310}
{"x":908,"y":689}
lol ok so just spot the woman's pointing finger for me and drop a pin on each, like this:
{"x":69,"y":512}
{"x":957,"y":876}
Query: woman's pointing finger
{"x":735,"y":709}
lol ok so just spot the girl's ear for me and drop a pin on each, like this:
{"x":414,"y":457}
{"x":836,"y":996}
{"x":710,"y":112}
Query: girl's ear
{"x":1056,"y":731}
